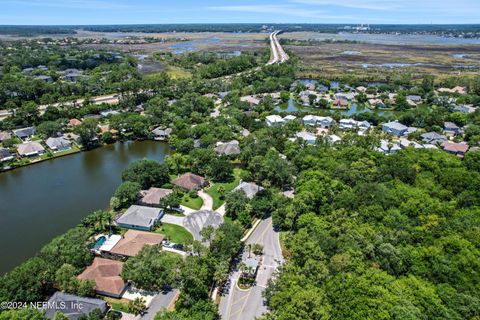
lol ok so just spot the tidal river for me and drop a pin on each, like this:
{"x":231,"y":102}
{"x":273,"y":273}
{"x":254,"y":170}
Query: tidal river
{"x":43,"y":200}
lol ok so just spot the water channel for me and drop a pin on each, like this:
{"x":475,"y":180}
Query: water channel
{"x":43,"y":200}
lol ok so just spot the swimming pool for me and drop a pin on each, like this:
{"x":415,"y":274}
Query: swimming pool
{"x":100,"y":241}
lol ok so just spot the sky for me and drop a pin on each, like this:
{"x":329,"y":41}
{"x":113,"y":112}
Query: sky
{"x":81,"y":12}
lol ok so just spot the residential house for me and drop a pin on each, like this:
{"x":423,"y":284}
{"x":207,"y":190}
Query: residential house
{"x":73,"y":307}
{"x":250,"y":189}
{"x":251,"y":100}
{"x":107,"y":113}
{"x":395,"y":128}
{"x":152,"y":196}
{"x":414,"y":98}
{"x":162,"y":134}
{"x":24,"y":133}
{"x":333,"y":138}
{"x":228,"y":148}
{"x":4,"y":135}
{"x":451,"y":128}
{"x":289,"y":118}
{"x":5,"y":114}
{"x":72,"y":75}
{"x":133,"y":241}
{"x":387,"y":147}
{"x":74,"y":123}
{"x":140,"y":218}
{"x":274,"y":120}
{"x":44,"y":78}
{"x":405,"y":143}
{"x":324,"y":122}
{"x":30,"y":149}
{"x":58,"y":144}
{"x":361,"y":89}
{"x":5,"y":155}
{"x":345,"y":96}
{"x":458,"y":149}
{"x":340,"y":103}
{"x":459,"y":90}
{"x":376,"y":103}
{"x":190,"y":181}
{"x":310,"y":138}
{"x":465,"y":109}
{"x":433,"y":138}
{"x":106,"y":275}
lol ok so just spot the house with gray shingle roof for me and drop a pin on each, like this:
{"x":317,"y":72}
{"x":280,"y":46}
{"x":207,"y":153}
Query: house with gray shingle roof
{"x":140,"y":218}
{"x":24,"y":133}
{"x":395,"y":128}
{"x":72,"y":306}
{"x":228,"y":148}
{"x":4,"y":135}
{"x":250,"y":189}
{"x":433,"y":138}
{"x":5,"y":155}
{"x":58,"y":144}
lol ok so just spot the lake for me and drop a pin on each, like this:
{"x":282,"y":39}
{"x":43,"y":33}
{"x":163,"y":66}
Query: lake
{"x":43,"y":200}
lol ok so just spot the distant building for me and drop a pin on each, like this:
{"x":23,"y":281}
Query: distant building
{"x":274,"y":120}
{"x":310,"y":138}
{"x":5,"y":155}
{"x":228,"y":148}
{"x":395,"y":128}
{"x":433,"y":138}
{"x":451,"y":128}
{"x":4,"y":135}
{"x":153,"y":196}
{"x":458,"y":149}
{"x":250,"y":189}
{"x":162,"y":134}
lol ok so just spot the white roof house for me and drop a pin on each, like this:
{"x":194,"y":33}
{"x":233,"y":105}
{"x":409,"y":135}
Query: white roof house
{"x":310,"y":138}
{"x":323,"y":122}
{"x":274,"y":120}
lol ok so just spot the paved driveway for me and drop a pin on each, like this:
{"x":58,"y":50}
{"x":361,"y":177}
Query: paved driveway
{"x":160,"y":301}
{"x":199,"y":220}
{"x":207,"y":200}
{"x":196,"y":221}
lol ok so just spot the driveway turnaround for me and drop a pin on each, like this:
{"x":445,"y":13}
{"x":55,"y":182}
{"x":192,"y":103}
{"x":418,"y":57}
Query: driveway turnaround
{"x":195,"y":221}
{"x":248,"y":304}
{"x":199,"y":220}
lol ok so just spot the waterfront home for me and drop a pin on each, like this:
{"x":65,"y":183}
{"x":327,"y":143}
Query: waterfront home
{"x":345,"y":96}
{"x":274,"y":120}
{"x":152,"y":196}
{"x":289,"y":118}
{"x":72,"y":137}
{"x":310,"y":138}
{"x":351,"y":124}
{"x":58,"y":144}
{"x":73,"y":307}
{"x":133,"y":241}
{"x":161,"y":134}
{"x":140,"y":218}
{"x":250,"y":189}
{"x":106,"y":275}
{"x":458,"y":149}
{"x":190,"y":181}
{"x":74,"y":122}
{"x":5,"y":155}
{"x":451,"y":128}
{"x":104,"y":243}
{"x":24,"y":133}
{"x":30,"y":149}
{"x":5,"y":135}
{"x":228,"y":148}
{"x":433,"y":138}
{"x":395,"y":128}
{"x":323,"y":122}
{"x":376,"y":103}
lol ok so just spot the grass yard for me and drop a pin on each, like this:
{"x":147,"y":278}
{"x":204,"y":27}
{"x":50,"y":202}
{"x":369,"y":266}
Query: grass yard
{"x":213,"y":191}
{"x":175,"y":233}
{"x":192,"y":203}
{"x":178,"y":73}
{"x":117,"y":304}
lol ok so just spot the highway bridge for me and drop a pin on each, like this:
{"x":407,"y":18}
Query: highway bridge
{"x":278,"y":54}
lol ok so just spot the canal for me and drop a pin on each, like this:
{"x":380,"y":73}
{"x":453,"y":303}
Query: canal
{"x":43,"y":200}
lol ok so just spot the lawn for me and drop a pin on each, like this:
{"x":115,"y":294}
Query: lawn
{"x":213,"y":191}
{"x":193,"y":203}
{"x":174,"y":233}
{"x":117,"y":304}
{"x":178,"y":73}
